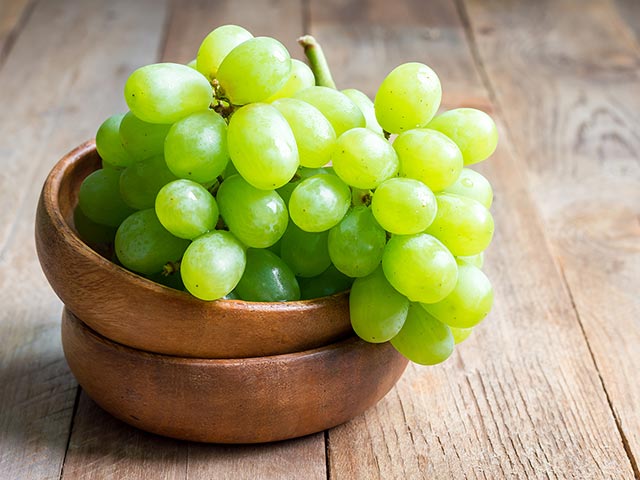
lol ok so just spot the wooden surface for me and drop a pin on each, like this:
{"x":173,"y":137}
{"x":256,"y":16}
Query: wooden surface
{"x":548,"y":386}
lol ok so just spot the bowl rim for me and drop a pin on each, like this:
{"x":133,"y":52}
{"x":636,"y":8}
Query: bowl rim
{"x":51,"y":193}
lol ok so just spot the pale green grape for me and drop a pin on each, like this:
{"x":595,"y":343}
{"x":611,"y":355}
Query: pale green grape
{"x":329,"y":282}
{"x":365,"y":105}
{"x":408,"y":98}
{"x":428,"y":156}
{"x":341,"y":112}
{"x":303,"y":172}
{"x":215,"y":47}
{"x":213,"y":265}
{"x":262,"y":146}
{"x":307,"y":253}
{"x":141,"y":182}
{"x":469,"y":302}
{"x":377,"y":310}
{"x":196,"y":147}
{"x":319,"y":202}
{"x":142,"y":139}
{"x":91,"y":232}
{"x":186,"y":209}
{"x":167,"y":92}
{"x":460,"y":334}
{"x":258,"y":218}
{"x":462,"y":224}
{"x":267,"y":278}
{"x":403,"y":206}
{"x":420,"y":267}
{"x":314,"y":134}
{"x":254,"y":70}
{"x":423,"y":339}
{"x":356,"y":243}
{"x":476,"y":260}
{"x":109,"y":145}
{"x":144,"y":246}
{"x":301,"y":77}
{"x":192,"y":64}
{"x":472,"y":185}
{"x":100,"y":200}
{"x":363,"y":159}
{"x":474,"y":132}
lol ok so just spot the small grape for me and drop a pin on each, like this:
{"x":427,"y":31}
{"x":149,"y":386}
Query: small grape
{"x":100,"y":200}
{"x":141,"y":139}
{"x":471,"y":184}
{"x":365,"y":105}
{"x":460,"y":334}
{"x":141,"y":182}
{"x":267,"y":278}
{"x":216,"y":46}
{"x":109,"y":145}
{"x":307,"y":253}
{"x":301,"y":77}
{"x":329,"y":282}
{"x":341,"y":112}
{"x":319,"y":202}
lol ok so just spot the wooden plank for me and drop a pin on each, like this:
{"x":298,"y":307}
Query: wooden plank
{"x":520,"y":399}
{"x":630,"y":13}
{"x":571,"y":102}
{"x":51,"y":88}
{"x":13,"y":15}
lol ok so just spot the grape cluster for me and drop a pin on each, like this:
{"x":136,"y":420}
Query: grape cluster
{"x":236,"y":176}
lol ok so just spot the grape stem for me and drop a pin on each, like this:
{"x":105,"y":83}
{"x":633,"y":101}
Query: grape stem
{"x":317,"y":61}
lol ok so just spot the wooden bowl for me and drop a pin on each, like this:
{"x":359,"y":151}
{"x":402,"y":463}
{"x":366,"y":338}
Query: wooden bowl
{"x":231,"y":401}
{"x":134,"y":311}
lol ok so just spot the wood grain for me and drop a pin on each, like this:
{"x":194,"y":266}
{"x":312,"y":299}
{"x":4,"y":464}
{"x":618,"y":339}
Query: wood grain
{"x":522,"y":398}
{"x":13,"y":15}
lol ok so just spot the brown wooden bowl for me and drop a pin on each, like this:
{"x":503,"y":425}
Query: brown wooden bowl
{"x":231,"y":401}
{"x":137,"y":312}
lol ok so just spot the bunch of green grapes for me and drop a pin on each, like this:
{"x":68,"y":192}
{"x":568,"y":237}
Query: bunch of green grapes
{"x":238,"y":176}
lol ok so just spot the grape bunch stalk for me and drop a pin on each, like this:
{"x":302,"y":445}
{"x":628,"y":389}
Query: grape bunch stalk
{"x":246,"y":174}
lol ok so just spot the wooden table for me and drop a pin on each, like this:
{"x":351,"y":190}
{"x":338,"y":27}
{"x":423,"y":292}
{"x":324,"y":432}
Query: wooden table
{"x":548,"y":386}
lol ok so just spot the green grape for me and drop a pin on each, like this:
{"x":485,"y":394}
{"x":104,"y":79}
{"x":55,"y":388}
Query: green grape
{"x":306,"y":253}
{"x":262,"y":146}
{"x":377,"y":310}
{"x":196,"y":147}
{"x":474,"y":132}
{"x":460,"y":334}
{"x":186,"y":209}
{"x":341,"y":112}
{"x":91,"y":232}
{"x":109,"y":145}
{"x":216,"y":46}
{"x":476,"y":260}
{"x":258,"y":218}
{"x":469,"y":302}
{"x":229,"y":171}
{"x":408,"y":98}
{"x":142,"y":139}
{"x":141,"y":182}
{"x":314,"y":134}
{"x":301,"y":77}
{"x":471,"y":184}
{"x":356,"y":243}
{"x":303,"y":172}
{"x":167,"y":92}
{"x":363,"y":159}
{"x":267,"y":278}
{"x":144,"y":246}
{"x":192,"y":64}
{"x":420,"y":267}
{"x":213,"y":265}
{"x":423,"y":339}
{"x":365,"y":105}
{"x":100,"y":200}
{"x":329,"y":282}
{"x":319,"y":202}
{"x":428,"y":156}
{"x":403,"y":206}
{"x":462,"y":224}
{"x":254,"y":70}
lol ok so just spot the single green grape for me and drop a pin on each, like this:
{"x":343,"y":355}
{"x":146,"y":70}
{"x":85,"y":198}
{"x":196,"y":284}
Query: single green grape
{"x":262,"y":146}
{"x":216,"y":46}
{"x":196,"y":147}
{"x":403,"y":206}
{"x":258,"y":218}
{"x":462,"y":224}
{"x":356,"y":243}
{"x":307,"y":253}
{"x":472,"y":130}
{"x":254,"y":70}
{"x":420,"y":267}
{"x":99,"y":198}
{"x":423,"y":339}
{"x":303,"y":172}
{"x":365,"y":105}
{"x":476,"y":260}
{"x":267,"y":278}
{"x":144,"y":246}
{"x":471,"y":184}
{"x":141,"y":139}
{"x":301,"y":77}
{"x":363,"y":159}
{"x":408,"y":98}
{"x":329,"y":282}
{"x":91,"y":232}
{"x":141,"y":182}
{"x":109,"y":145}
{"x":319,"y":202}
{"x":341,"y":112}
{"x":460,"y":334}
{"x":167,"y":92}
{"x":213,"y":265}
{"x":376,"y":309}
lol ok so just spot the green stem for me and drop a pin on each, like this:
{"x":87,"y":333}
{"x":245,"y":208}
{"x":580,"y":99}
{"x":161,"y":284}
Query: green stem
{"x":317,"y":61}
